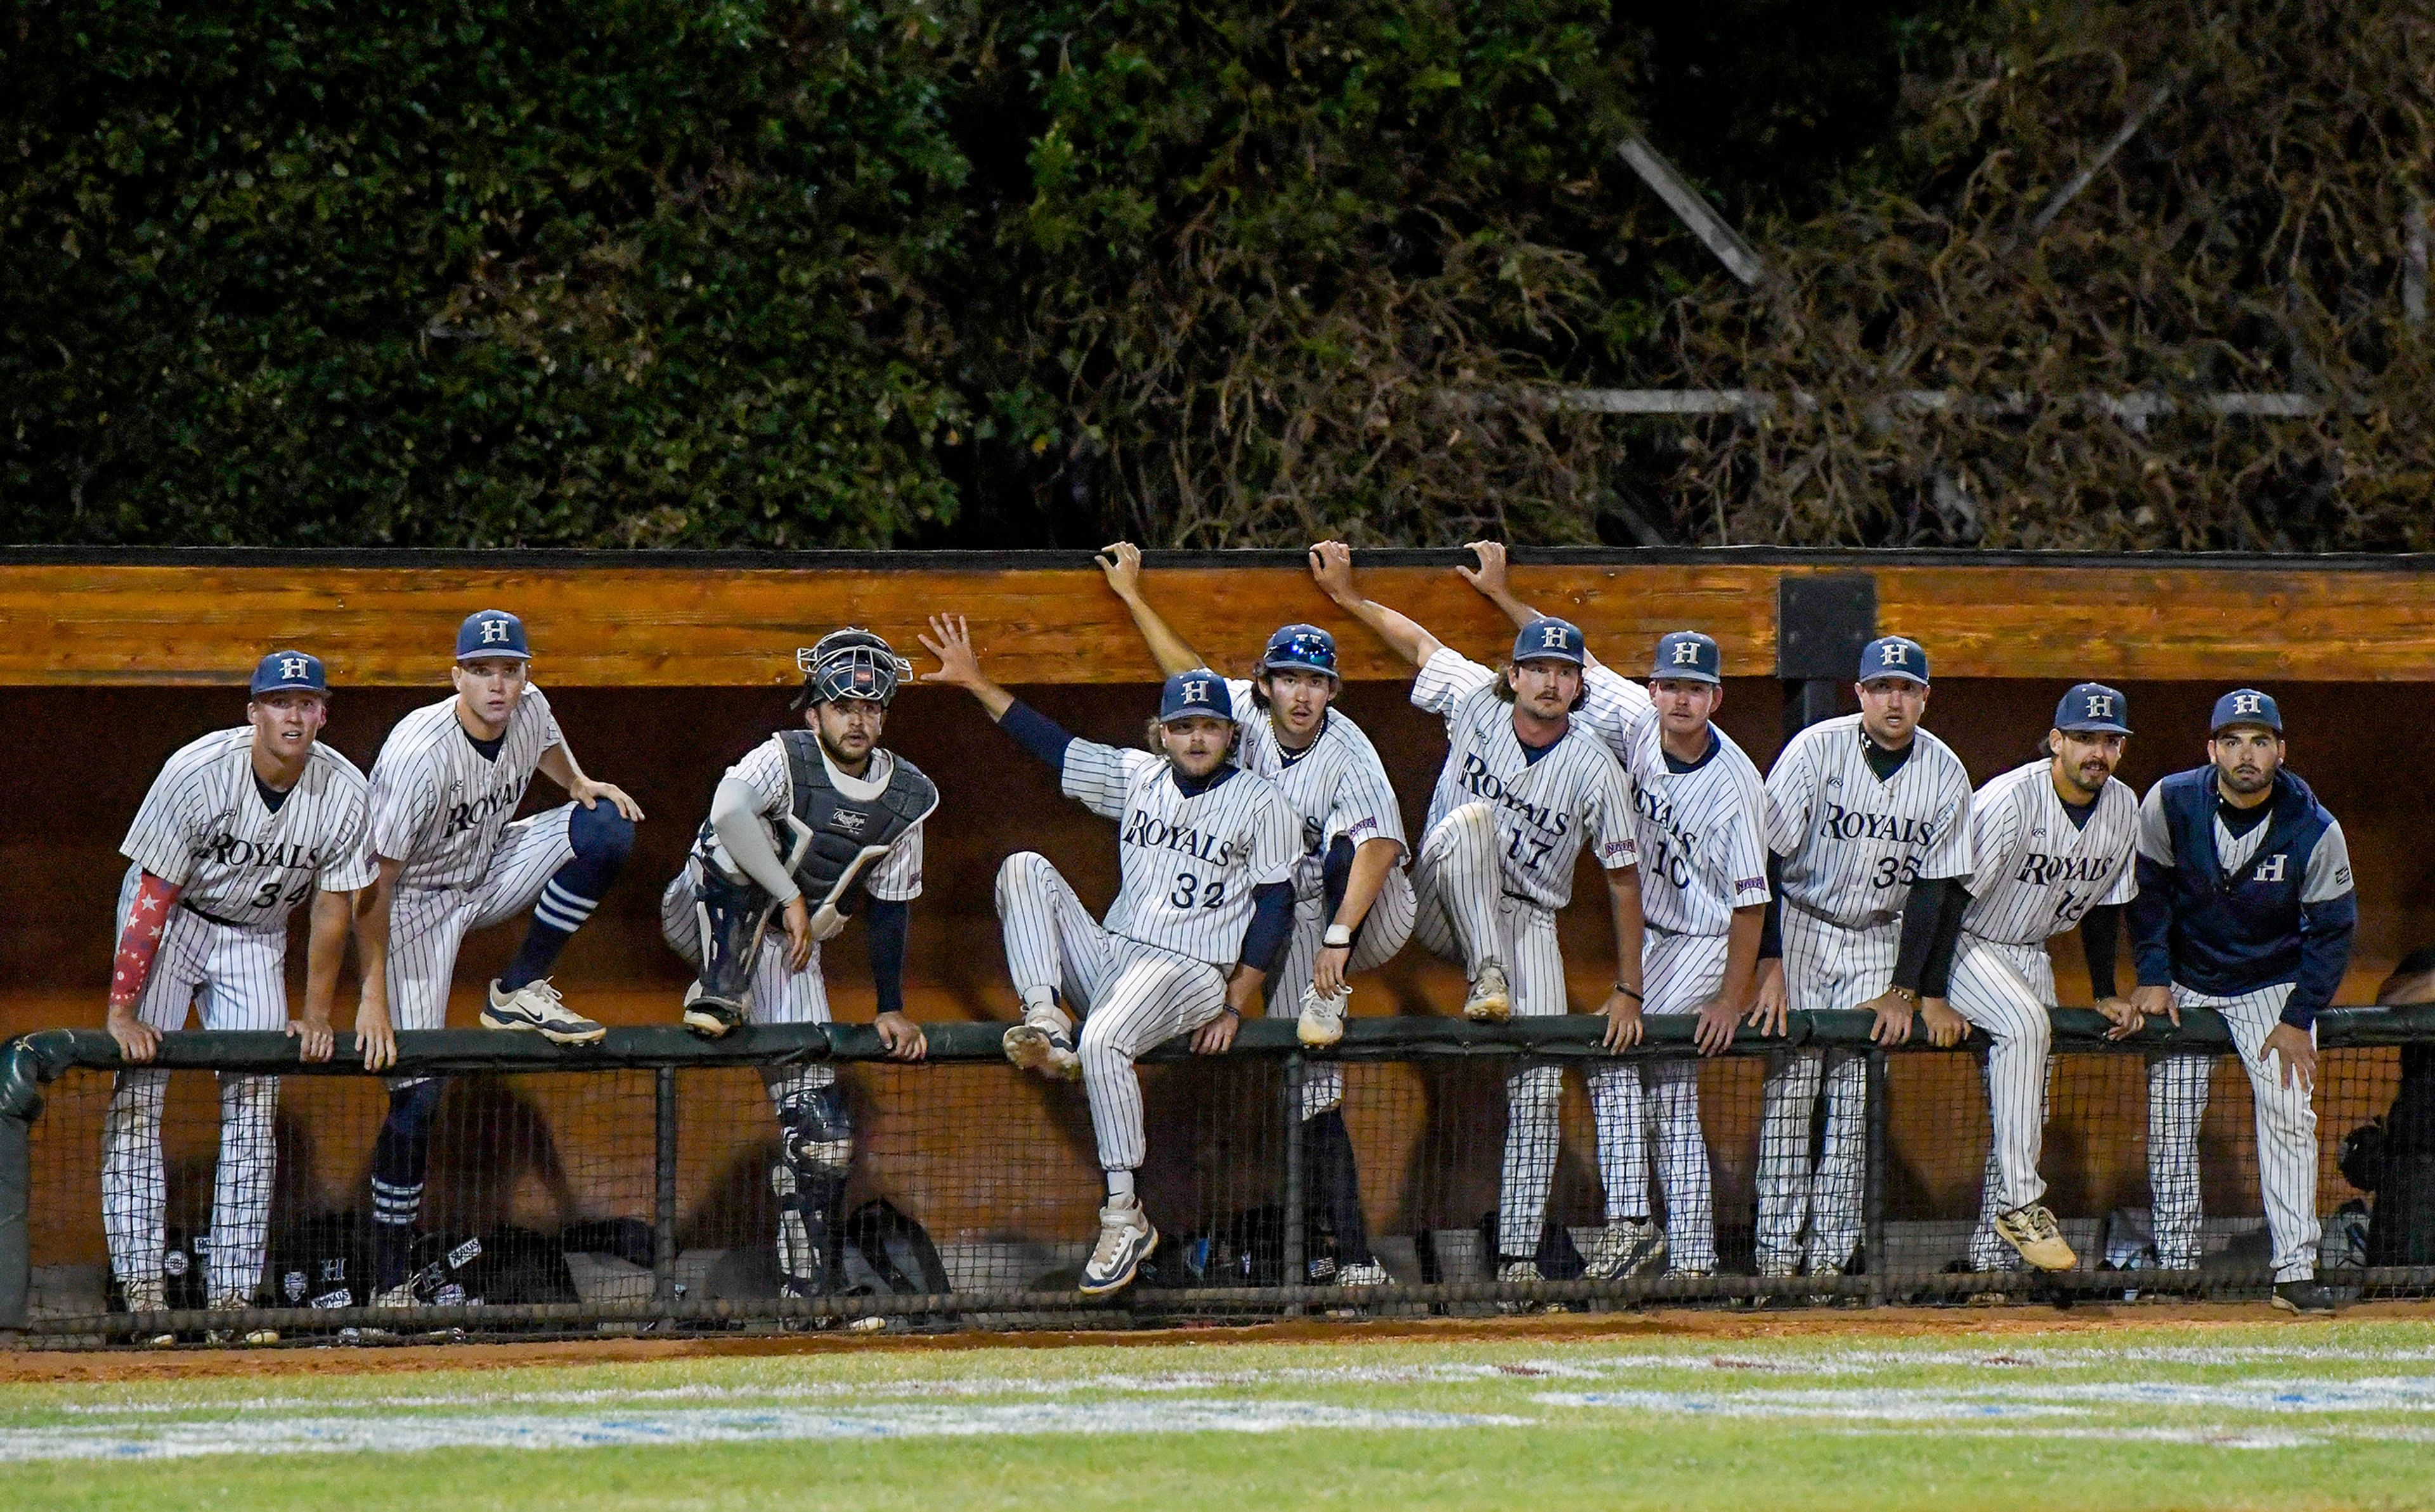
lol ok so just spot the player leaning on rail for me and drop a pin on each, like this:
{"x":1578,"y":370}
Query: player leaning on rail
{"x":2245,"y":906}
{"x":239,"y":828}
{"x":1523,"y":788}
{"x":1204,"y":909}
{"x":811,"y":825}
{"x":1700,"y":820}
{"x":1352,"y":900}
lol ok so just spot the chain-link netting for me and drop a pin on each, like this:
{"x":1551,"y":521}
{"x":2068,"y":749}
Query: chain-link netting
{"x":963,"y":1193}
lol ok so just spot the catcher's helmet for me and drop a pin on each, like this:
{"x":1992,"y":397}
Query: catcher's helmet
{"x":849,"y":663}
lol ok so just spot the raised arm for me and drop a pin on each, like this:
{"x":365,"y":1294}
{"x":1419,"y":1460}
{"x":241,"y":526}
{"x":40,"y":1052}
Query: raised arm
{"x":1121,"y":562}
{"x":1489,"y":578}
{"x":1331,"y":567}
{"x":960,"y":666}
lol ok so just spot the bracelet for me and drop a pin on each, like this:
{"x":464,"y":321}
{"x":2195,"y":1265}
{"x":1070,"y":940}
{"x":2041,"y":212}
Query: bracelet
{"x":1234,"y":1013}
{"x":1633,"y":993}
{"x":1337,"y":937}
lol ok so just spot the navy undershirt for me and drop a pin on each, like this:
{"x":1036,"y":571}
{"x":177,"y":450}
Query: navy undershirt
{"x":2238,"y":820}
{"x":272,"y":796}
{"x":1530,"y":753}
{"x":1681,"y":767}
{"x":2079,"y":813}
{"x":1883,"y":762}
{"x":490,"y":748}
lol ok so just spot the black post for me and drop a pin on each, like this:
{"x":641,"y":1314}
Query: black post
{"x":1872,"y":1197}
{"x":21,"y":1099}
{"x":1296,"y":1257}
{"x":664,"y":1187}
{"x":1821,"y":624}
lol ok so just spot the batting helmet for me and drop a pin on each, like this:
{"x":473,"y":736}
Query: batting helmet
{"x":849,"y":663}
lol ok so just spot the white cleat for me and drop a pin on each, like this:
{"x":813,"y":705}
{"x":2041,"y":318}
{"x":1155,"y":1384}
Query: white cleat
{"x":1364,"y":1273}
{"x":1491,"y":1000}
{"x":150,"y":1297}
{"x":1126,"y":1239}
{"x":537,"y":1008}
{"x":1627,"y":1248}
{"x":1323,"y":1019}
{"x":1043,"y":1042}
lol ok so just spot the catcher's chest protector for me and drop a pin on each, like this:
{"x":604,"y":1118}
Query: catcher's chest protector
{"x":843,"y":829}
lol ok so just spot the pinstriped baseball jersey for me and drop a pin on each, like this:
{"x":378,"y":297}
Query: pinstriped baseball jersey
{"x":2034,"y":872}
{"x":1545,"y":809}
{"x":1337,"y":784}
{"x":205,"y":826}
{"x":438,"y":803}
{"x":894,"y":876}
{"x":1188,"y":864}
{"x":1853,"y":845}
{"x":1612,"y":705}
{"x":1702,"y":834}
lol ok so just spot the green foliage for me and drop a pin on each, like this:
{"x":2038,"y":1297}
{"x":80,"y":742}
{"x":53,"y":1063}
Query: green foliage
{"x":866,"y":272}
{"x":475,"y":273}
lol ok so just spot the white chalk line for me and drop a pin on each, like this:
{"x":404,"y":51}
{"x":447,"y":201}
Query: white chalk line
{"x":2403,"y":1394}
{"x":710,"y":1425}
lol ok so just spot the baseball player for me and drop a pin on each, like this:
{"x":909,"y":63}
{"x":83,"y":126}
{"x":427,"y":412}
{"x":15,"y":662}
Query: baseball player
{"x":1700,"y":825}
{"x":2052,"y":847}
{"x":1353,"y":901}
{"x":239,"y":828}
{"x":1204,"y":909}
{"x":1523,"y":788}
{"x":1870,"y":816}
{"x":2245,"y":906}
{"x":446,"y":783}
{"x":810,"y":825}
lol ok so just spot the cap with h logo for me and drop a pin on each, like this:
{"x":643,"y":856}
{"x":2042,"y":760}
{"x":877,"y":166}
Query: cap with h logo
{"x":293,"y":671}
{"x":1548,"y":639}
{"x":2093,"y":709}
{"x":1893,"y":656}
{"x":2245,"y":706}
{"x":492,"y":632}
{"x":1197,"y":694}
{"x":1304,"y":647}
{"x":1686,"y":656}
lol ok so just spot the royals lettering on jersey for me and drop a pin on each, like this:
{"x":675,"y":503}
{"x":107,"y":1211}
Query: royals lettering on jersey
{"x":1187,"y":863}
{"x":438,"y":803}
{"x":895,"y":876}
{"x":1701,"y":834}
{"x":1545,"y":809}
{"x":1337,"y":783}
{"x":205,"y":826}
{"x":1854,"y":844}
{"x":2036,"y":874}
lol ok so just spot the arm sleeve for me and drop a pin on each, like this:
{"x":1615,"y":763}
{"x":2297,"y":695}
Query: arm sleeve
{"x":1746,"y":853}
{"x":403,"y":804}
{"x":1771,"y":929}
{"x":1936,"y":977}
{"x":1995,"y":838}
{"x":2328,"y":916}
{"x":1922,"y":921}
{"x":1364,"y":807}
{"x":1446,"y":678}
{"x":159,"y":839}
{"x":2151,"y":913}
{"x":1272,"y":925}
{"x":896,"y":877}
{"x":1791,"y":789}
{"x":1039,"y":734}
{"x":736,"y":819}
{"x":1950,"y":854}
{"x":2101,"y":931}
{"x":1610,"y":821}
{"x":550,"y":734}
{"x":889,"y":919}
{"x":350,"y":867}
{"x":1098,"y":777}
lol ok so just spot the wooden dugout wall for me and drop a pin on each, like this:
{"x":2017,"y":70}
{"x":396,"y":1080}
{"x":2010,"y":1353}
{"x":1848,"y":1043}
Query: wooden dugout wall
{"x":665,"y":668}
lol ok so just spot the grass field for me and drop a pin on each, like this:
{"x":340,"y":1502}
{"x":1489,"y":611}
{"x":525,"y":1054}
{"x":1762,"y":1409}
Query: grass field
{"x":1941,"y":1410}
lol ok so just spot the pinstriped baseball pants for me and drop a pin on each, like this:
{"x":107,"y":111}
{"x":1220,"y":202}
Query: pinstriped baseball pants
{"x":1826,"y":968}
{"x":2006,"y":992}
{"x":232,"y":979}
{"x":1130,"y":996}
{"x":2287,"y":1137}
{"x":1465,"y":917}
{"x":1680,"y":973}
{"x":1384,"y":930}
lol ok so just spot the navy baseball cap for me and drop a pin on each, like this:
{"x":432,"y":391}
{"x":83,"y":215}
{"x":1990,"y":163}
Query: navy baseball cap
{"x":1198,"y":692}
{"x":492,"y":632}
{"x":1548,"y":639}
{"x":2245,"y":706}
{"x":291,"y":671}
{"x":1893,"y":656}
{"x":1303,"y":648}
{"x":1686,"y":656}
{"x":2094,"y":709}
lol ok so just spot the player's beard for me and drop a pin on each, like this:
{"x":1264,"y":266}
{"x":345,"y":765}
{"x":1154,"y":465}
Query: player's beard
{"x":842,"y":759}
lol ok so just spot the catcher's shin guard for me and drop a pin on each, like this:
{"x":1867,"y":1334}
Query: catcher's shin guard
{"x":731,"y":917}
{"x":815,"y":1156}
